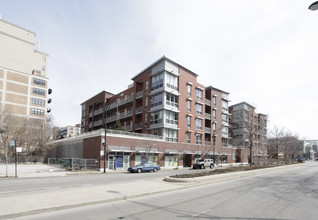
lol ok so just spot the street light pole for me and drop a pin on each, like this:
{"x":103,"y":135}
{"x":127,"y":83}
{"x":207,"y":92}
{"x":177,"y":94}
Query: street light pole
{"x":313,"y":6}
{"x":105,"y":128}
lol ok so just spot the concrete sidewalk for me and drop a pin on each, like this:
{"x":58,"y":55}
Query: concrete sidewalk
{"x":31,"y":170}
{"x":64,"y":198}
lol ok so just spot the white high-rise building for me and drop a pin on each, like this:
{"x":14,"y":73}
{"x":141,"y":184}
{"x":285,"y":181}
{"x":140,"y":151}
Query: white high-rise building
{"x":23,"y":73}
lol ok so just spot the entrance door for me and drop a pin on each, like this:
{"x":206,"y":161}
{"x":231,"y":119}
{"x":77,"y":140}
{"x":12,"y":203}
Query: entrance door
{"x":111,"y":162}
{"x":126,"y":161}
{"x":187,"y":160}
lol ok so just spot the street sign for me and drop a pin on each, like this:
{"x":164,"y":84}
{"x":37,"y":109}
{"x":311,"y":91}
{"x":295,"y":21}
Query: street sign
{"x":12,"y":143}
{"x":19,"y":149}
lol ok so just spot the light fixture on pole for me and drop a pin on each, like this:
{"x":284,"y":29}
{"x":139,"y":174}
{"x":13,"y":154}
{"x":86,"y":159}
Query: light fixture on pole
{"x":313,"y":6}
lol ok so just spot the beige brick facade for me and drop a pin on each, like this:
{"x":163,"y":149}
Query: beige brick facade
{"x":19,"y":99}
{"x":16,"y":77}
{"x":17,"y":88}
{"x":18,"y":110}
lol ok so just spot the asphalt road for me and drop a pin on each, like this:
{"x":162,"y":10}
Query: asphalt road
{"x":11,"y":187}
{"x":286,"y":194}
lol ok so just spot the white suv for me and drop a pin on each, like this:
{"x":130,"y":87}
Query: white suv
{"x":203,"y":163}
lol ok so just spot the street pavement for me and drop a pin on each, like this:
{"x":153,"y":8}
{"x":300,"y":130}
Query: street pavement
{"x":65,"y":198}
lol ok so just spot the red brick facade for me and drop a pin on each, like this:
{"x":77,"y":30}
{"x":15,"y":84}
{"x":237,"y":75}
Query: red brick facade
{"x":157,"y":103}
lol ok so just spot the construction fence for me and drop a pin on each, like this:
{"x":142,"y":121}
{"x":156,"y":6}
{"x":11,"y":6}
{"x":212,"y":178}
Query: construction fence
{"x":75,"y":163}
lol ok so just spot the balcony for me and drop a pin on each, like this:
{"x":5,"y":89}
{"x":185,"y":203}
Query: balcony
{"x":139,"y":110}
{"x":207,"y":116}
{"x":125,"y":114}
{"x":90,"y":114}
{"x":139,"y":94}
{"x":207,"y":130}
{"x":138,"y":126}
{"x":128,"y":127}
{"x":99,"y":111}
{"x":208,"y":102}
{"x":98,"y":123}
{"x":111,"y":118}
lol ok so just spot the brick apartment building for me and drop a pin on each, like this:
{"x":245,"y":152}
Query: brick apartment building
{"x":165,"y":112}
{"x":248,"y":128}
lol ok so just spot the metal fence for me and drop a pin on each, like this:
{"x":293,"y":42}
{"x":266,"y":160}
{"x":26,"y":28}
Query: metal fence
{"x":75,"y":163}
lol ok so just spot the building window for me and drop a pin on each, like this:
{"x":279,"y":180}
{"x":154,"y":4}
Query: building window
{"x":157,"y":81}
{"x":214,"y":127}
{"x":171,"y":135}
{"x":39,"y":91}
{"x":146,"y":103}
{"x":189,"y":105}
{"x":214,"y":114}
{"x":172,"y":81}
{"x":36,"y":101}
{"x":156,"y":117}
{"x":189,"y":90}
{"x":36,"y":111}
{"x":189,"y":121}
{"x":199,"y":94}
{"x":40,"y":82}
{"x":224,"y":142}
{"x":225,"y":105}
{"x":188,"y":137}
{"x":147,"y":86}
{"x":198,"y":138}
{"x":156,"y":100}
{"x":214,"y":100}
{"x":225,"y":131}
{"x":199,"y":123}
{"x":172,"y":100}
{"x":171,"y":117}
{"x":146,"y":118}
{"x":157,"y":131}
{"x":43,"y":68}
{"x":43,"y":59}
{"x":199,"y":109}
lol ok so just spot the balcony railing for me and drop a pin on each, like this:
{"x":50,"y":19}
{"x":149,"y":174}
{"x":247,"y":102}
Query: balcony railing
{"x":139,"y":94}
{"x":207,"y":130}
{"x":208,"y":116}
{"x":139,"y":110}
{"x":125,"y":114}
{"x":97,"y":123}
{"x":111,"y":118}
{"x":138,"y":126}
{"x":207,"y":142}
{"x":128,"y":128}
{"x":99,"y":111}
{"x":208,"y":102}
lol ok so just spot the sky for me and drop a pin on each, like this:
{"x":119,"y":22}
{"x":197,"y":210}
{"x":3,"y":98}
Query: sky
{"x":263,"y":52}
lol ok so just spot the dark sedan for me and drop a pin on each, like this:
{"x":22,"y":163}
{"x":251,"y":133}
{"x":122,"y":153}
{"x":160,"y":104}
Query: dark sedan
{"x":144,"y":167}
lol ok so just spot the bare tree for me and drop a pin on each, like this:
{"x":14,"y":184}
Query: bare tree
{"x":283,"y":144}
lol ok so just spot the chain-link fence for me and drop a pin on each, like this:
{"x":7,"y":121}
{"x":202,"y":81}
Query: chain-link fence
{"x":74,"y":163}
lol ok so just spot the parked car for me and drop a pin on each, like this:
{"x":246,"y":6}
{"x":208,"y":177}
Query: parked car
{"x":144,"y":167}
{"x":203,"y":163}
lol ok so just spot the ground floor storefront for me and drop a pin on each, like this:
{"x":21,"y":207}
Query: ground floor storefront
{"x":124,"y":150}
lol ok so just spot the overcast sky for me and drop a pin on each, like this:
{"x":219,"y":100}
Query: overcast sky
{"x":263,"y":52}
